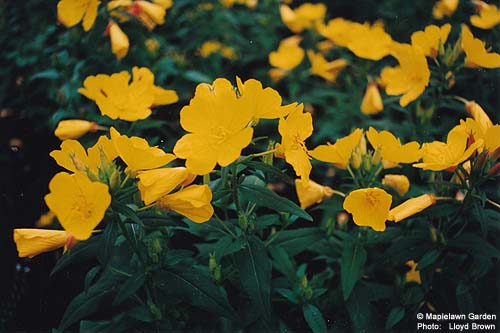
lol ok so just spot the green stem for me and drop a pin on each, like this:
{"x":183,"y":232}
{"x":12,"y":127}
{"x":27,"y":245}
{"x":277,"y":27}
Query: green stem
{"x":221,"y":222}
{"x":358,"y":185}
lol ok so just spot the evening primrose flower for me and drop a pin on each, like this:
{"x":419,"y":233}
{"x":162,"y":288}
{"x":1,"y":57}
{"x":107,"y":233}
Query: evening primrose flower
{"x":368,"y":41}
{"x":439,"y":156}
{"x":289,"y":54}
{"x":294,"y":130}
{"x":399,"y":183}
{"x":306,"y":16}
{"x":78,"y":203}
{"x":118,"y":99}
{"x":218,"y":124}
{"x":339,"y":153}
{"x":321,"y":67}
{"x":391,"y":149}
{"x":212,"y":46}
{"x":310,"y":193}
{"x":73,"y":157}
{"x":338,"y":31}
{"x":476,"y":111}
{"x":411,"y":76}
{"x":372,"y":101}
{"x":137,"y":153}
{"x":430,"y":39}
{"x":265,"y":102}
{"x":71,"y":12}
{"x":369,"y":207}
{"x":411,"y":207}
{"x":119,"y":40}
{"x":488,"y":133}
{"x":412,"y":275}
{"x":192,"y":202}
{"x":74,"y":128}
{"x":476,"y":54}
{"x":32,"y":242}
{"x":444,"y":8}
{"x":489,"y":16}
{"x":153,"y":184}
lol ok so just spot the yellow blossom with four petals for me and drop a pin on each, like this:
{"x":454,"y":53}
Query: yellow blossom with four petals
{"x":369,"y":207}
{"x":328,"y":70}
{"x":430,"y":39}
{"x":306,"y":16}
{"x":391,"y":149}
{"x":339,"y":153}
{"x":488,"y":18}
{"x":71,"y":12}
{"x":78,"y":202}
{"x":476,"y":54}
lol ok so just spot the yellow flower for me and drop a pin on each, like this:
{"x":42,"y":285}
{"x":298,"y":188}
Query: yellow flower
{"x":476,"y":111}
{"x":78,"y":203}
{"x":339,"y":154}
{"x":218,"y":124}
{"x":476,"y":53}
{"x":118,"y":99}
{"x":482,"y":130}
{"x":399,"y":183}
{"x":429,"y":40}
{"x":412,"y":275}
{"x":306,"y":16}
{"x":74,"y":128}
{"x":444,"y":8}
{"x":439,"y":156}
{"x":338,"y":31}
{"x":45,"y":220}
{"x":137,"y":153}
{"x":31,"y":242}
{"x":323,"y":68}
{"x":310,"y":193}
{"x":153,"y":184}
{"x":212,"y":46}
{"x":154,"y":12}
{"x":411,"y":76}
{"x":294,"y":130}
{"x":391,"y":149}
{"x":411,"y":207}
{"x":289,"y":54}
{"x":276,"y":74}
{"x":372,"y":101}
{"x":192,"y":202}
{"x":489,"y":16}
{"x":119,"y":40}
{"x":369,"y":207}
{"x":368,"y":42}
{"x":266,"y":103}
{"x":73,"y":157}
{"x":70,"y":12}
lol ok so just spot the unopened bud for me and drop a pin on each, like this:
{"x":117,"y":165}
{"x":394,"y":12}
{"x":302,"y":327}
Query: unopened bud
{"x":356,"y":160}
{"x":377,"y":157}
{"x":342,"y":219}
{"x":303,"y":281}
{"x":114,"y":179}
{"x":212,"y":264}
{"x":77,"y":163}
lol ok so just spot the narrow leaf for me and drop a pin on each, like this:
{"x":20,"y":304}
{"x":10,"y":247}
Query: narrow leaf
{"x":352,"y":262}
{"x":314,"y":318}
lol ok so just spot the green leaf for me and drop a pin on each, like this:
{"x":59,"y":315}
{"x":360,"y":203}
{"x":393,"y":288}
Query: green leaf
{"x":126,"y":211}
{"x":297,"y":240}
{"x":428,"y":259}
{"x":352,"y":262}
{"x":282,"y":262}
{"x":81,"y":252}
{"x":88,"y":302}
{"x":289,"y":295}
{"x":314,"y":318}
{"x":90,"y":276}
{"x":264,"y":197}
{"x":108,"y":240}
{"x":474,"y":245}
{"x":129,"y":288}
{"x":269,"y":169}
{"x":394,"y":317}
{"x":254,"y":267}
{"x":196,"y":289}
{"x":49,"y":74}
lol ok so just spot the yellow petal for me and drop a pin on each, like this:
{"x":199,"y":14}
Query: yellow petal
{"x":200,"y":155}
{"x":339,"y":153}
{"x":70,"y":12}
{"x":72,"y":156}
{"x":412,"y":275}
{"x":372,"y":101}
{"x":90,"y":15}
{"x":31,"y":242}
{"x":153,"y":184}
{"x":399,"y":183}
{"x":192,"y":202}
{"x":137,"y":153}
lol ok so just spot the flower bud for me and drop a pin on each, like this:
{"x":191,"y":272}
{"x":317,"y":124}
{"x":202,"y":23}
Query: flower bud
{"x":476,"y":111}
{"x":119,"y":40}
{"x":74,"y":128}
{"x":399,"y":183}
{"x":311,"y":192}
{"x":411,"y":207}
{"x":372,"y":101}
{"x":212,"y":264}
